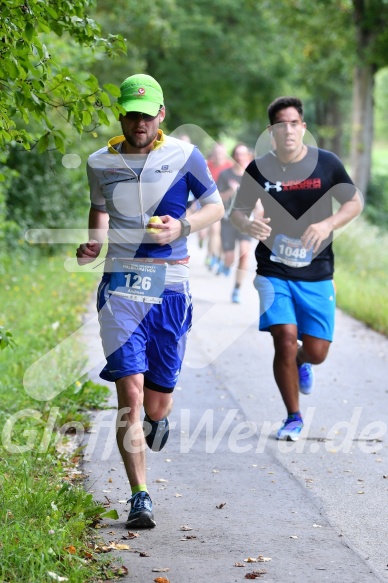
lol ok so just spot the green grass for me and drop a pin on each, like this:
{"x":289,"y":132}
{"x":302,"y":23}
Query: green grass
{"x":44,"y":511}
{"x":361,"y":274}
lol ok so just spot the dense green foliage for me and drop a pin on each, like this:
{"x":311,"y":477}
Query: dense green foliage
{"x":36,"y":83}
{"x":48,"y":93}
{"x":44,"y":199}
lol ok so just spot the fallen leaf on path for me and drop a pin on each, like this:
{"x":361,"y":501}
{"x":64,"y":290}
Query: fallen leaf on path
{"x":317,"y":526}
{"x":178,"y":495}
{"x":219,"y":506}
{"x":130,"y":535}
{"x":260,"y":559}
{"x":160,"y":480}
{"x":161,"y":580}
{"x":294,"y":536}
{"x":239,"y":565}
{"x":160,"y":569}
{"x":255,"y":574}
{"x":185,"y":527}
{"x":119,"y":547}
{"x":189,"y":537}
{"x":143,"y":554}
{"x":102,"y":549}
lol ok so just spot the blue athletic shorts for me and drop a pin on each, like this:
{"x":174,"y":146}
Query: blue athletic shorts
{"x":310,"y":305}
{"x":145,"y":338}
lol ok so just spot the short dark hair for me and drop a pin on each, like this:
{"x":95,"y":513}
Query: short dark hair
{"x":237,"y":146}
{"x":282,"y":103}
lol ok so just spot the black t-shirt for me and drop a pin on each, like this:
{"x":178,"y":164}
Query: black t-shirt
{"x":294,"y":196}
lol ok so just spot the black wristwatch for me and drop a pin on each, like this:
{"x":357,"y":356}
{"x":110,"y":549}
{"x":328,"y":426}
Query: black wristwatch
{"x":185,"y":227}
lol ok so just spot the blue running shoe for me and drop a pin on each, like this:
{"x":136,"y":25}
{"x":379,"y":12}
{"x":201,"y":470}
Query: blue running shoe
{"x":223,"y":269}
{"x":156,"y":432}
{"x":140,"y":515}
{"x":306,"y":378}
{"x":213,"y":264}
{"x":220,"y":268}
{"x":236,"y":299}
{"x":291,"y":428}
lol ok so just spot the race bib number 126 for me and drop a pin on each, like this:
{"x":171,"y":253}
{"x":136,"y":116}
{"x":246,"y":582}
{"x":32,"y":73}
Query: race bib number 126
{"x":138,"y":281}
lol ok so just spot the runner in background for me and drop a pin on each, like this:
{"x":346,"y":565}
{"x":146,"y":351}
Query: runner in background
{"x":228,"y":183}
{"x":217,"y":162}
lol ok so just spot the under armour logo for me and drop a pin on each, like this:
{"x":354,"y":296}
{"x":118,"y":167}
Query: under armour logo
{"x":278,"y":186}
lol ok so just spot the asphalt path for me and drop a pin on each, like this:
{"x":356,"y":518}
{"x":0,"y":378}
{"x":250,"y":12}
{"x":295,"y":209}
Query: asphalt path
{"x":231,"y":500}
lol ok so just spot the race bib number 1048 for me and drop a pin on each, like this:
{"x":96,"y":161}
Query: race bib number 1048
{"x":290,"y":252}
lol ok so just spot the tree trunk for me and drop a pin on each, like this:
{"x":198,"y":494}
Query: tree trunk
{"x":362,"y":126}
{"x":329,"y":121}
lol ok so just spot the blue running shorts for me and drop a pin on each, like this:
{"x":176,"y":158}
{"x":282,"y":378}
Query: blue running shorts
{"x":310,"y":305}
{"x":145,"y":338}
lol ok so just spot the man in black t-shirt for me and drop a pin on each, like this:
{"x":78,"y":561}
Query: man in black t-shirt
{"x":296,"y":185}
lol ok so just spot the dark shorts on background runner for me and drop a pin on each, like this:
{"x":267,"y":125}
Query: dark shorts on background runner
{"x":145,"y":338}
{"x":229,"y":235}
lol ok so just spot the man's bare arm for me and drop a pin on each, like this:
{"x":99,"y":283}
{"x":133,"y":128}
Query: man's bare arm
{"x":258,"y":228}
{"x":315,"y":234}
{"x":98,"y":228}
{"x":170,"y":228}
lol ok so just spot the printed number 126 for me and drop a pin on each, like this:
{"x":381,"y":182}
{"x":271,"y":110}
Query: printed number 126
{"x":136,"y":281}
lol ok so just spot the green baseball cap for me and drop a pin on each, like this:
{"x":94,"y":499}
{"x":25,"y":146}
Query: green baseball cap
{"x":141,"y":93}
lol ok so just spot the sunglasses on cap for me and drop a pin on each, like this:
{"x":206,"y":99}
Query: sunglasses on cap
{"x":135,"y":115}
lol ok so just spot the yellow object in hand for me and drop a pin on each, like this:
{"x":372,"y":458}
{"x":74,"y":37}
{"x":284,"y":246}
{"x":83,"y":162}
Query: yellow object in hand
{"x":154,"y":219}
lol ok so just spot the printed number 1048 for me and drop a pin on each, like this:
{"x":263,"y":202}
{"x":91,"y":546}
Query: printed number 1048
{"x":297,"y":252}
